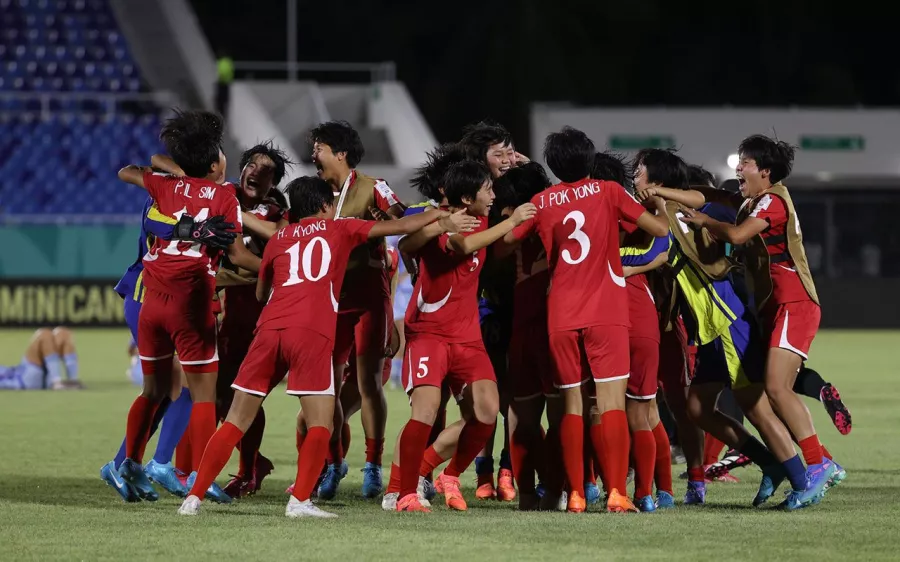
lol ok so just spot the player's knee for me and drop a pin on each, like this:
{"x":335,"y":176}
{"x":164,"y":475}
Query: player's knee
{"x":777,"y":391}
{"x":62,"y":334}
{"x":43,"y":336}
{"x":694,"y":408}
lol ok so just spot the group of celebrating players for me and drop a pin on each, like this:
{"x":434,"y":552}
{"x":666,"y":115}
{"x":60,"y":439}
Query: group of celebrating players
{"x":578,"y":300}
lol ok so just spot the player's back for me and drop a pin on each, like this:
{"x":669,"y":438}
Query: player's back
{"x":578,"y":225}
{"x":175,"y":267}
{"x":306,"y":262}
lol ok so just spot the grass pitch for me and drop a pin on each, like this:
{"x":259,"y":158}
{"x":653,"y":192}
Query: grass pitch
{"x":53,"y":505}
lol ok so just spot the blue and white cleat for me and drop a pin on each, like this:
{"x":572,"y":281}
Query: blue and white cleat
{"x":372,"y":485}
{"x":428,"y":489}
{"x":817,"y":478}
{"x":214,"y":492}
{"x":696,"y":493}
{"x":772,"y":478}
{"x":591,"y":493}
{"x":166,"y":476}
{"x":792,"y":501}
{"x":331,"y":479}
{"x":540,"y":489}
{"x":839,"y":475}
{"x":133,"y":473}
{"x":664,"y":500}
{"x":645,"y":504}
{"x":110,"y":475}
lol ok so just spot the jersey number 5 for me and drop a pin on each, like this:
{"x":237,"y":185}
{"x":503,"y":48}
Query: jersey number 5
{"x":578,"y":235}
{"x":294,"y":269}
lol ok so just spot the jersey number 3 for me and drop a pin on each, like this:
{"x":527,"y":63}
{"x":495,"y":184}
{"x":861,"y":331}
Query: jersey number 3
{"x":578,"y":235}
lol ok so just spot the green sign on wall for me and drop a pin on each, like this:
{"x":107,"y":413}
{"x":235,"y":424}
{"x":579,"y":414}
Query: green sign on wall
{"x":844,"y":143}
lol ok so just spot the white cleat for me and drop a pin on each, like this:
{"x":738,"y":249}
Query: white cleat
{"x":190,"y":506}
{"x":296,"y":508}
{"x":389,"y":501}
{"x":420,"y":491}
{"x":563,"y":504}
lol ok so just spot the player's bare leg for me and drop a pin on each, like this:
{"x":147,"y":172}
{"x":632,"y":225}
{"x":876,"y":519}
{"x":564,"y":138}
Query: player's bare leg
{"x":42,"y":353}
{"x":613,"y":441}
{"x":369,"y":370}
{"x":526,"y":447}
{"x":318,"y":415}
{"x":553,"y":459}
{"x":643,"y":447}
{"x":65,"y":348}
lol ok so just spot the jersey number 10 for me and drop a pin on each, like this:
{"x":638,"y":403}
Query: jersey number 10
{"x":295,"y":265}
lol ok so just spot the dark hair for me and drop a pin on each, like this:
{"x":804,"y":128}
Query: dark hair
{"x":664,"y":167}
{"x":279,"y":198}
{"x":308,"y":195}
{"x":275,"y":154}
{"x":770,"y":154}
{"x":608,"y":166}
{"x":698,"y":175}
{"x":194,"y":140}
{"x":341,"y":137}
{"x":464,"y":179}
{"x":569,"y":154}
{"x":526,"y":181}
{"x":429,"y":178}
{"x":479,"y":137}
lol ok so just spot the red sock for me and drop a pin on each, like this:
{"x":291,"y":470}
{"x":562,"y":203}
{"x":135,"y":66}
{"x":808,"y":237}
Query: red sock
{"x":597,"y":446}
{"x":137,"y":428}
{"x":663,"y":469}
{"x":345,"y":439}
{"x":202,"y":425}
{"x":553,"y":462}
{"x":696,"y":474}
{"x":616,"y":447}
{"x":250,"y":443}
{"x":412,"y":449}
{"x":309,"y":465}
{"x":826,"y":454}
{"x":812,"y":450}
{"x":394,"y":481}
{"x":215,"y":457}
{"x":374,"y":450}
{"x":471,"y":440}
{"x":183,"y":457}
{"x":430,"y":461}
{"x":712,"y":448}
{"x":571,"y":436}
{"x":644,"y":449}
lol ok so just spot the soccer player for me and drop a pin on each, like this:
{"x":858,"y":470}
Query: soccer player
{"x":365,"y":303}
{"x":302,"y":270}
{"x":784,"y":291}
{"x":49,"y":352}
{"x":179,"y":279}
{"x":443,"y":339}
{"x":577,"y":221}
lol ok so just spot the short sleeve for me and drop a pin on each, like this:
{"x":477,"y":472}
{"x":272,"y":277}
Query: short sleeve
{"x":356,"y":230}
{"x":771,"y":209}
{"x":232,"y":213}
{"x":385,"y":198}
{"x":628,"y":227}
{"x":524,"y":230}
{"x":627,"y":206}
{"x":154,"y":183}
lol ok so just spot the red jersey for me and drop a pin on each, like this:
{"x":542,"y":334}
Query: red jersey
{"x":641,"y":308}
{"x":444,"y":302}
{"x":786,"y":284}
{"x":305,"y":263}
{"x":579,"y":226}
{"x":532,"y":282}
{"x":176,"y":268}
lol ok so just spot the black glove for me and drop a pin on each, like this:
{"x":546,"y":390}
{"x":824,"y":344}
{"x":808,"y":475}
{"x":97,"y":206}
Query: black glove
{"x":213,"y":233}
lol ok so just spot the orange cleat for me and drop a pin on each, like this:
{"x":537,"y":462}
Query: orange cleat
{"x":617,"y":503}
{"x":577,"y":503}
{"x":506,"y":489}
{"x":411,"y":503}
{"x":486,"y":490}
{"x":452,"y":495}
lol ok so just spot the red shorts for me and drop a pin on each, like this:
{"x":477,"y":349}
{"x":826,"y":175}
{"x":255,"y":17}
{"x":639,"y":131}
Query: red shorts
{"x":530,"y":367}
{"x":304,"y":354}
{"x":676,"y":358}
{"x":792,"y":325}
{"x":429,"y":361}
{"x":603,"y":348}
{"x":368,"y":330}
{"x":643,"y":382}
{"x":184,"y":324}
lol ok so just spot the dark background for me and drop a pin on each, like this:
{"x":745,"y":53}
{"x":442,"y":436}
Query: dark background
{"x":466,"y":60}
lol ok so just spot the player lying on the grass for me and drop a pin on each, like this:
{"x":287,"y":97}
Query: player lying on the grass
{"x":180,"y":283}
{"x":48,"y":352}
{"x":729,"y":352}
{"x":443,"y":338}
{"x":303,"y":269}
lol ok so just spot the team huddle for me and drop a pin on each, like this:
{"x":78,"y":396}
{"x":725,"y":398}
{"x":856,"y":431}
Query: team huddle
{"x":577,"y":301}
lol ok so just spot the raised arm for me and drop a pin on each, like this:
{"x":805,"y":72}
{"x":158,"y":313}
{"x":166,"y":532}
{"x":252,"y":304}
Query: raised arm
{"x":466,"y":245}
{"x":406,"y":225}
{"x":733,"y":234}
{"x":240,"y":256}
{"x":263,"y":229}
{"x":166,"y":164}
{"x":657,"y":262}
{"x":456,"y":222}
{"x":134,"y":174}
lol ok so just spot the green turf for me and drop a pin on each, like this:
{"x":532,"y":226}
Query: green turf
{"x":54,"y":506}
